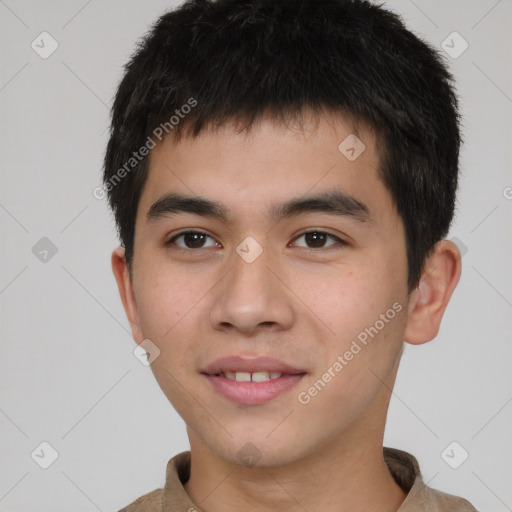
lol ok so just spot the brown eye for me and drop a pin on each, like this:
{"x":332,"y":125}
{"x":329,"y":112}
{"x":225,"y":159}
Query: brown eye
{"x":317,"y":240}
{"x":192,"y":240}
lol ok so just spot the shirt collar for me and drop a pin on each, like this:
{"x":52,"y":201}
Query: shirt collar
{"x":403,"y":467}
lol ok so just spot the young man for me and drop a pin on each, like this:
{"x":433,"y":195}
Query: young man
{"x":283,"y":173}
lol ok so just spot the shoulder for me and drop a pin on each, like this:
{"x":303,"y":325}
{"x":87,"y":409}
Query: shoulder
{"x":441,"y":502}
{"x":151,"y":502}
{"x":420,"y":498}
{"x":173,"y":496}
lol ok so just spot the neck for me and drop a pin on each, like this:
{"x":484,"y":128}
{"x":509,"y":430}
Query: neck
{"x":340,"y":484}
{"x":342,"y":476}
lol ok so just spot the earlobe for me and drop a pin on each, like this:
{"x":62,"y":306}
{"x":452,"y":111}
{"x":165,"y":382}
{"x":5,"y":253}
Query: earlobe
{"x":125,"y":286}
{"x":429,"y":300}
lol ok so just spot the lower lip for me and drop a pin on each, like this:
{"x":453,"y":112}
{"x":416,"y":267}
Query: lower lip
{"x":253,"y":393}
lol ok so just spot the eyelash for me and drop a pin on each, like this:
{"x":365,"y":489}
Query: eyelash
{"x":339,"y":242}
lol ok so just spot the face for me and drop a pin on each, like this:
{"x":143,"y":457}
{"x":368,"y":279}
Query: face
{"x":320,"y":285}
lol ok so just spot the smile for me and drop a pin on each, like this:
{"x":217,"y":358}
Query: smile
{"x":256,"y":388}
{"x":250,"y":377}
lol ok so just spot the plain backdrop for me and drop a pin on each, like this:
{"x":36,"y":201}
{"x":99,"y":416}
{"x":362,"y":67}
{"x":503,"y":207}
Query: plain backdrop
{"x":68,"y":374}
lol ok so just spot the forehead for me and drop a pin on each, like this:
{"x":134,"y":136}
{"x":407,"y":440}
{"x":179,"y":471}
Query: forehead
{"x":248,"y":171}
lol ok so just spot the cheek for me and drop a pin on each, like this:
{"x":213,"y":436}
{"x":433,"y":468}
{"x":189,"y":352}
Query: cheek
{"x":174,"y":304}
{"x":170,"y":313}
{"x":166,"y":295}
{"x":365,"y":311}
{"x":355,"y":372}
{"x":345,"y":299}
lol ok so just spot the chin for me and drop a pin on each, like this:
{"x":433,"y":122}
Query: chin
{"x":260,"y":451}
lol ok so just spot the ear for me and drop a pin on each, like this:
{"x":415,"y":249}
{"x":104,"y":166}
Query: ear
{"x":428,"y":301}
{"x":124,"y":283}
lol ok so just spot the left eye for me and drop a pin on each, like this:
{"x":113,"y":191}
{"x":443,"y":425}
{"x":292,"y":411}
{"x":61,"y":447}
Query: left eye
{"x":192,"y":240}
{"x":317,"y":240}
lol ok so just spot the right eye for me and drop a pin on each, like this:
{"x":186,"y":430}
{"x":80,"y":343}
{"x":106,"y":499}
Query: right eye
{"x":192,"y":240}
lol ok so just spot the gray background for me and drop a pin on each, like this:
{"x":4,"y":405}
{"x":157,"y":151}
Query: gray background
{"x":68,"y":374}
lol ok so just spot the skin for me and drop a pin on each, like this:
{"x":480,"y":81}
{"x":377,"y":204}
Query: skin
{"x":301,"y":305}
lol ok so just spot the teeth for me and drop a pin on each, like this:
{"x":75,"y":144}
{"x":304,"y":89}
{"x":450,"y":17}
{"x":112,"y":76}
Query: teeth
{"x":260,"y":376}
{"x":254,"y":377}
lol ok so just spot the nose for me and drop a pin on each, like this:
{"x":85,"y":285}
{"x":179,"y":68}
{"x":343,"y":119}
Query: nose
{"x":252,"y":297}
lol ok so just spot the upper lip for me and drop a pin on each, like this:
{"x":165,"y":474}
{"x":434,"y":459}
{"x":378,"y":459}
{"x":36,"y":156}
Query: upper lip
{"x":242,"y":364}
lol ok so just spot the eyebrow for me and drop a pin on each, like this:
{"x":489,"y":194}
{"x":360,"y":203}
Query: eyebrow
{"x":333,"y":202}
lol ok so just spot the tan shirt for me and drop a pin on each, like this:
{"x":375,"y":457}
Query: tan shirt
{"x":403,"y":466}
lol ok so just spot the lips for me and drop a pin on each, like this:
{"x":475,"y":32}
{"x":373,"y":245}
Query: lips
{"x":251,"y":381}
{"x":227,"y":366}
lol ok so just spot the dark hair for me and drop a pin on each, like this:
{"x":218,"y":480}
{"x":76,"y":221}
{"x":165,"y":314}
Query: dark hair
{"x":243,"y":60}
